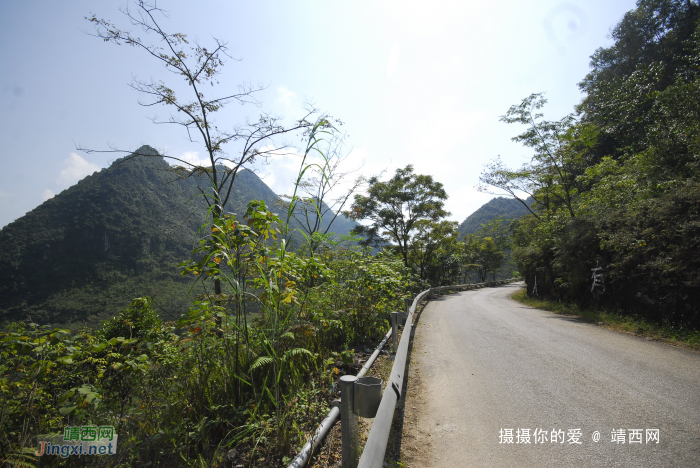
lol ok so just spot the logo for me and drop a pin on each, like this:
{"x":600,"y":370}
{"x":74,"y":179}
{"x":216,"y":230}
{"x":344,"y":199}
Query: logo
{"x":79,"y":440}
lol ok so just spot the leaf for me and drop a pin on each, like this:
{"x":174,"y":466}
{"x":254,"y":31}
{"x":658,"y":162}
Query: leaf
{"x":288,"y":298}
{"x":98,"y":347}
{"x":67,"y":410}
{"x":65,"y":395}
{"x":261,"y":361}
{"x":298,"y":352}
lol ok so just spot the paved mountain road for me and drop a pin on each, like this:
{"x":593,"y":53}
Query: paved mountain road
{"x":483,"y":362}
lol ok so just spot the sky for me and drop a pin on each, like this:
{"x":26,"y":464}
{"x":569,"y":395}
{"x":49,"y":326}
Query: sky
{"x":414,"y":82}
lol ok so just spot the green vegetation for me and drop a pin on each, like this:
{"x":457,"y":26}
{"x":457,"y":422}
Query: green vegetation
{"x":184,"y":393}
{"x":406,"y":214}
{"x":616,"y":186}
{"x":249,"y":368}
{"x":486,"y":235}
{"x":487,"y":251}
{"x":618,"y":321}
{"x":499,"y":207}
{"x":82,"y":256}
{"x":244,"y":319}
{"x":396,"y":208}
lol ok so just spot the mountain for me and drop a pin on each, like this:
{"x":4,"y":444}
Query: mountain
{"x":509,"y":208}
{"x":83,"y":255}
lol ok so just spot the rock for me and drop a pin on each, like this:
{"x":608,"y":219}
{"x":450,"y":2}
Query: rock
{"x":230,"y":459}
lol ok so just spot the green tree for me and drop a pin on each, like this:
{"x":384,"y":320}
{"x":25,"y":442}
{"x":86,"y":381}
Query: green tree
{"x":657,"y":32}
{"x":395,"y":208}
{"x":486,"y":250}
{"x":200,"y":67}
{"x":550,"y":177}
{"x":616,"y":188}
{"x":434,"y":241}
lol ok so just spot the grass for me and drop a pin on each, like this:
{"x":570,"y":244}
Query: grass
{"x":623,"y":323}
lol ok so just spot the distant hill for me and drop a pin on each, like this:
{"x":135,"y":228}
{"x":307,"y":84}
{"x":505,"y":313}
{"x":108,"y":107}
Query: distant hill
{"x":509,"y":208}
{"x":81,"y":256}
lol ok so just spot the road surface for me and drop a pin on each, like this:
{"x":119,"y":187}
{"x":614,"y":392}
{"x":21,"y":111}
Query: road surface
{"x":485,"y":367}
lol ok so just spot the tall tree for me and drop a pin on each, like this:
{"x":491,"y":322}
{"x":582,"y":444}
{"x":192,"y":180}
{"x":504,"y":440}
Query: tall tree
{"x":486,"y":249}
{"x":550,"y":177}
{"x":432,"y":241}
{"x":618,"y":191}
{"x":653,"y":46}
{"x":396,"y":206}
{"x":200,"y":67}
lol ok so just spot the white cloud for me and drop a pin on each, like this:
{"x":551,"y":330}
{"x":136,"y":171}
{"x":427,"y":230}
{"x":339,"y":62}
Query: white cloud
{"x":75,"y":169}
{"x":193,"y":158}
{"x":393,"y":61}
{"x":279,"y":169}
{"x":48,"y":194}
{"x":285,"y":95}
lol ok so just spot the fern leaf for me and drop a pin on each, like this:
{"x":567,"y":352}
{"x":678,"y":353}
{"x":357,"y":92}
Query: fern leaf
{"x":261,"y":361}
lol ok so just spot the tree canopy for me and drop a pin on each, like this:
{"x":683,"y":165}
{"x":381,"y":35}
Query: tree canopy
{"x":616,"y":186}
{"x":396,"y":207}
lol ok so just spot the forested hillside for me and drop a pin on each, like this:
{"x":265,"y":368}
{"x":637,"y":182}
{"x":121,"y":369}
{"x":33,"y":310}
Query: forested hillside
{"x":242,"y":374}
{"x":616,"y":185}
{"x":82,"y":256}
{"x":507,"y":208}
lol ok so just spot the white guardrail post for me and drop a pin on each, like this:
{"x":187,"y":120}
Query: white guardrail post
{"x":349,"y":435}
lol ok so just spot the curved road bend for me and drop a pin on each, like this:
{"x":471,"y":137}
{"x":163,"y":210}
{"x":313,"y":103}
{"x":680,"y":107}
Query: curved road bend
{"x":484,"y":362}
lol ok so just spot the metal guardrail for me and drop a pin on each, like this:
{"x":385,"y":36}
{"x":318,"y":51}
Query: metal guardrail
{"x":375,"y":448}
{"x":373,"y":454}
{"x":303,"y":457}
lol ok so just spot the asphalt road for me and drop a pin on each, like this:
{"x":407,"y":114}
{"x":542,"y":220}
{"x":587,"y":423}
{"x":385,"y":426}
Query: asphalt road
{"x":485,"y":363}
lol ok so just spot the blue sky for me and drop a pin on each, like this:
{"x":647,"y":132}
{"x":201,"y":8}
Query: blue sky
{"x":419,"y":83}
